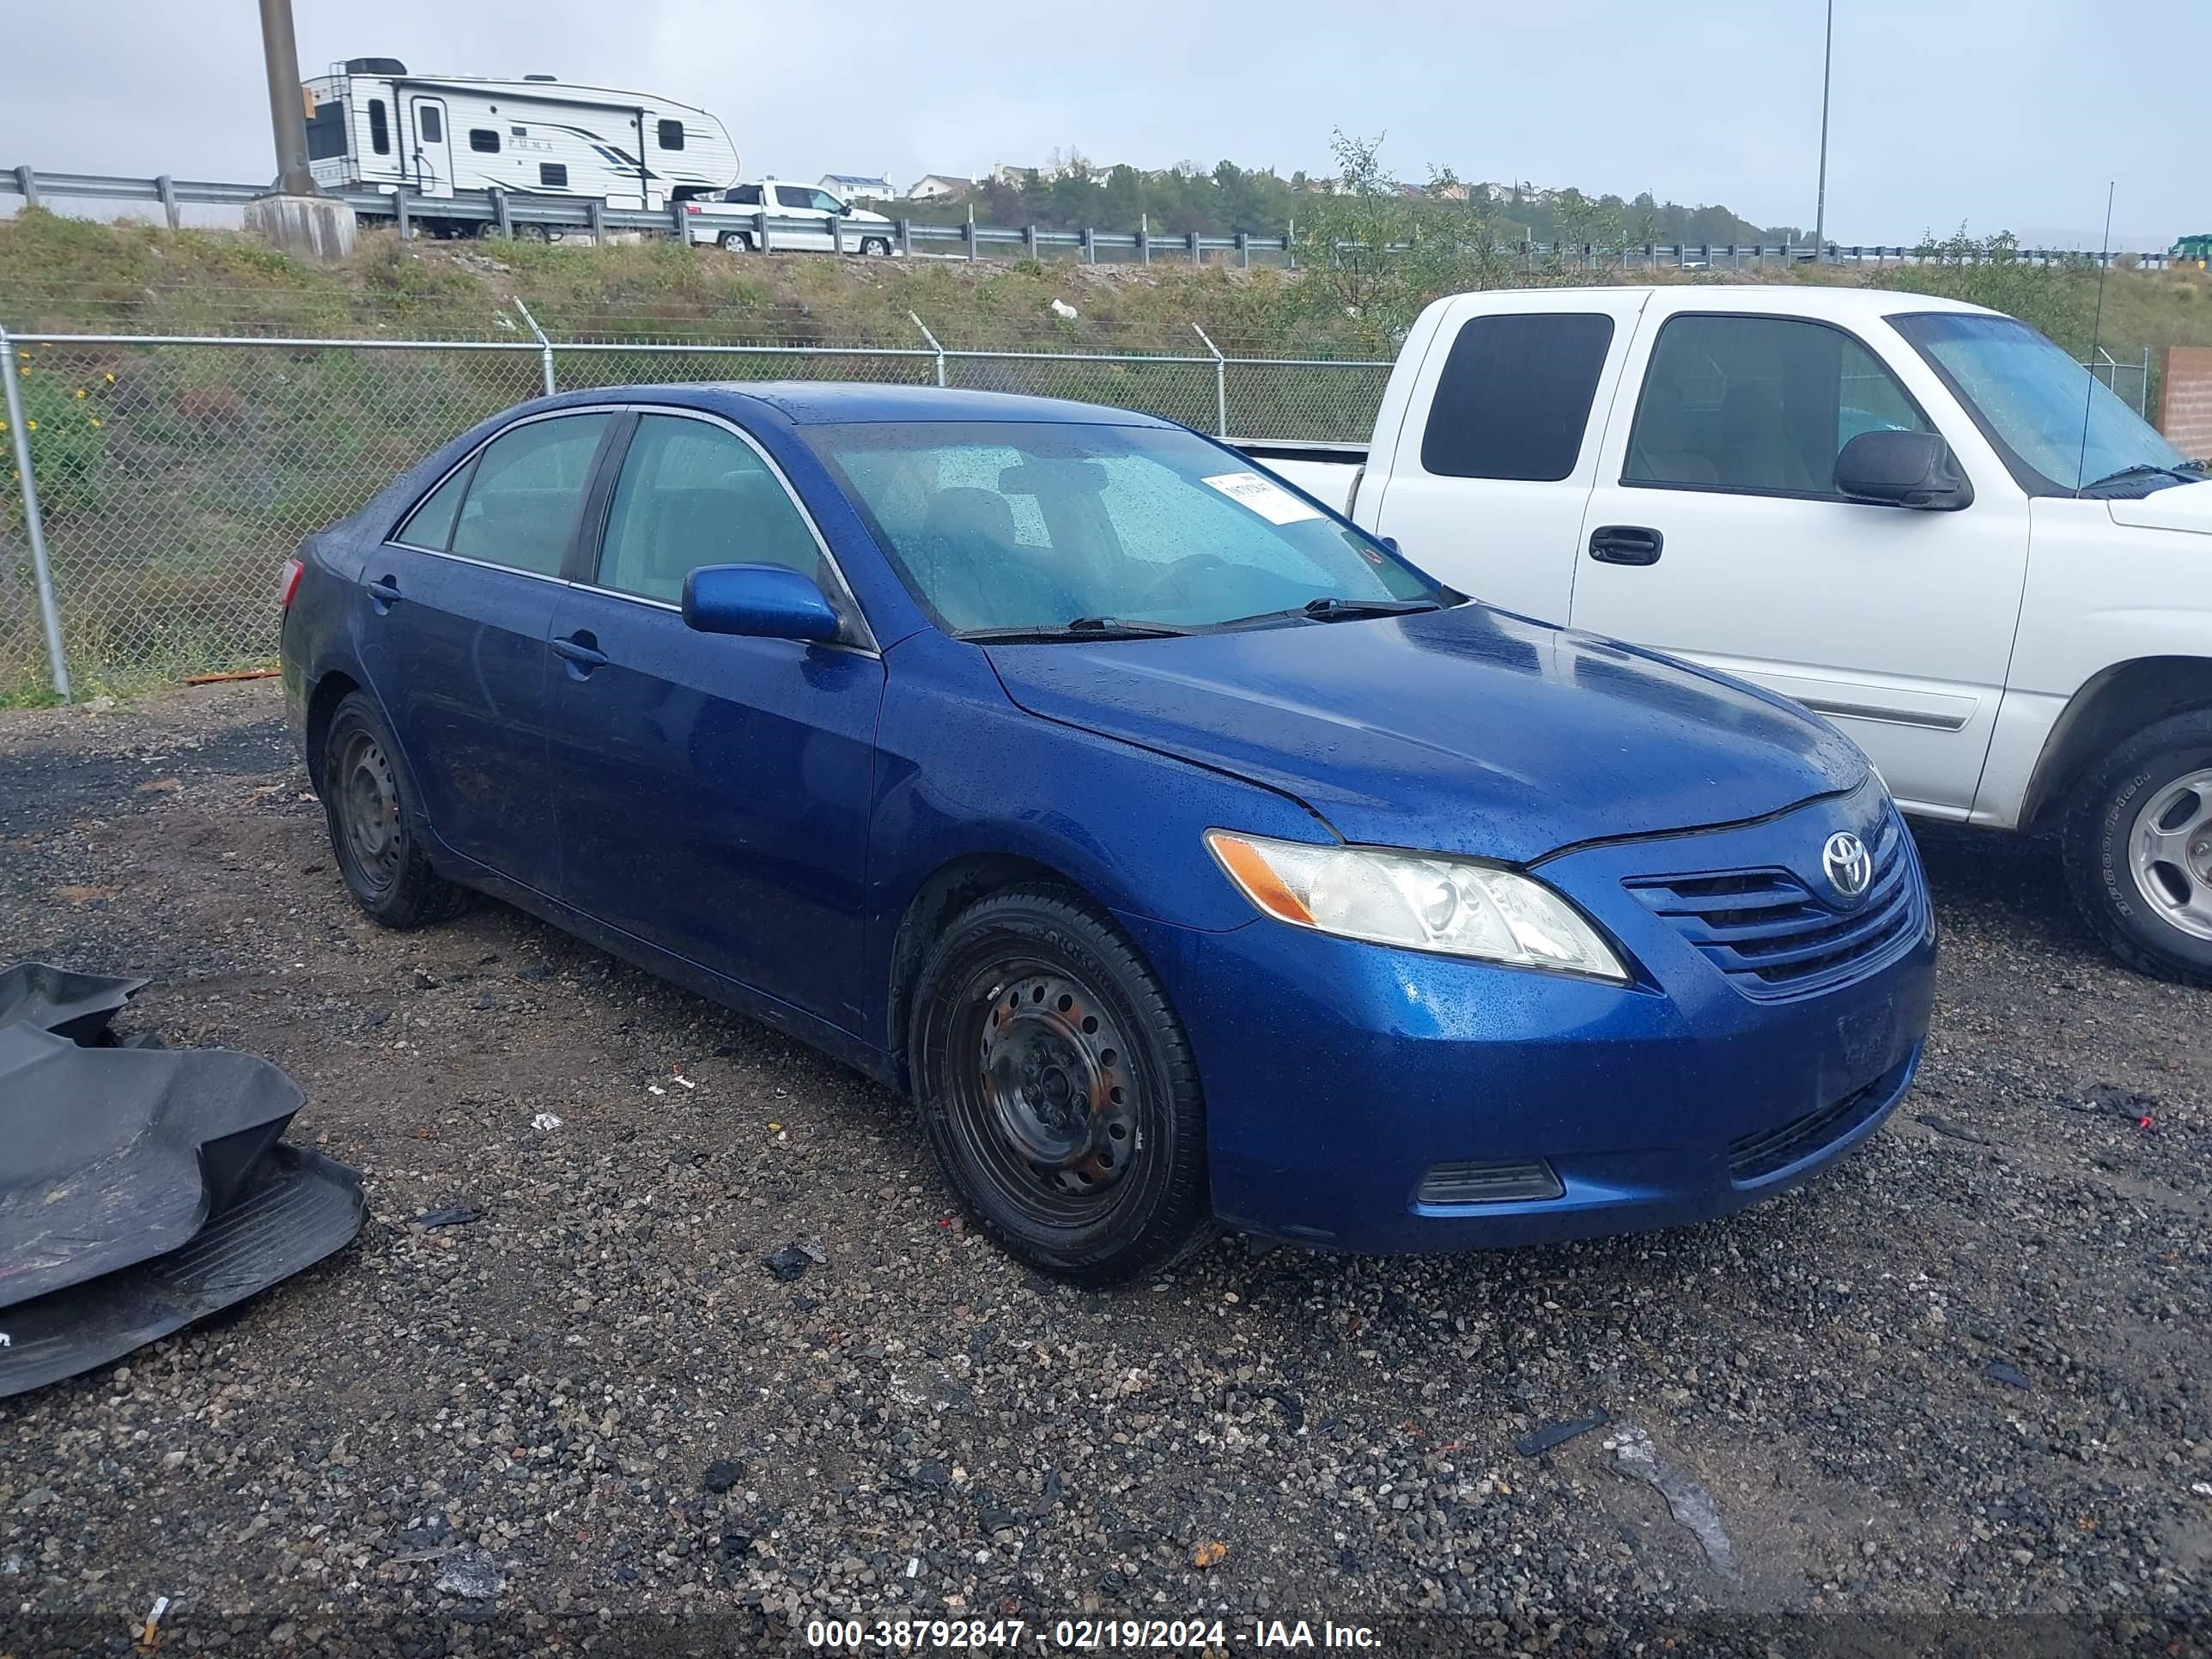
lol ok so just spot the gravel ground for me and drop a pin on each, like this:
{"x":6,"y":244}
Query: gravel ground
{"x":1958,"y":1388}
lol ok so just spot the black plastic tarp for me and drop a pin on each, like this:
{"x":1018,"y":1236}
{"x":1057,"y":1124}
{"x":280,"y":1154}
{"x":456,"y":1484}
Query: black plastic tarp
{"x":140,"y":1187}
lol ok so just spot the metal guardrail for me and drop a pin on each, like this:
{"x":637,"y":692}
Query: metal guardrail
{"x":502,"y":212}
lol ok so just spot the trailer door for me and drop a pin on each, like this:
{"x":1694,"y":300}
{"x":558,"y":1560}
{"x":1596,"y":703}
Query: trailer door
{"x":430,"y":156}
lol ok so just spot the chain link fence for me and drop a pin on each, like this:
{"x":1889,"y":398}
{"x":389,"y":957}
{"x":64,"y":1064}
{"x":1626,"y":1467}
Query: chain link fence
{"x":175,"y":474}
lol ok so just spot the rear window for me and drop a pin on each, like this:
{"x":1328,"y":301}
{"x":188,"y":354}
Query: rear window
{"x":1514,"y":396}
{"x":327,"y":136}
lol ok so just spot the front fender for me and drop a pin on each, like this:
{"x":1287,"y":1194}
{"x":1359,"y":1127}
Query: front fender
{"x":961,"y":772}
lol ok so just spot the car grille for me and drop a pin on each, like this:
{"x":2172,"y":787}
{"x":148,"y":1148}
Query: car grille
{"x":1774,"y":937}
{"x":1754,"y":1155}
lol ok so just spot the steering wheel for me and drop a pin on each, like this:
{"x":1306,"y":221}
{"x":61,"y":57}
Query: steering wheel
{"x":1172,"y":579}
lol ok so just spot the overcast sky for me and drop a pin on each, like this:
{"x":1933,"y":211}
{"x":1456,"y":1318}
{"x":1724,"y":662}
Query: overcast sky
{"x":2001,"y":113}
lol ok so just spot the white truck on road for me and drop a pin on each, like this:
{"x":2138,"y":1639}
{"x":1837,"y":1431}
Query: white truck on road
{"x":798,"y":217}
{"x":1921,"y":519}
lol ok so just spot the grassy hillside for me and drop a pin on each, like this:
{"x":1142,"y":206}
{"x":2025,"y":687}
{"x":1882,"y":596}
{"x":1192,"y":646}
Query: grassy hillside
{"x":174,"y":479}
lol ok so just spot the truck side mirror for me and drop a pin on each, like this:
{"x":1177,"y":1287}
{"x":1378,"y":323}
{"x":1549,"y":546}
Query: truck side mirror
{"x":1903,"y":469}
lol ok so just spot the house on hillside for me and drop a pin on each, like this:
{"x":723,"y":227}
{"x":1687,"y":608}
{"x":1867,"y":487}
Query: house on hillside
{"x":935,"y":186}
{"x":858,"y":186}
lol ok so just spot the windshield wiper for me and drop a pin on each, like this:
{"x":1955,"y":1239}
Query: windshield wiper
{"x":1083,"y":628}
{"x":2188,"y":472}
{"x":1337,"y":609}
{"x":1334,"y":610}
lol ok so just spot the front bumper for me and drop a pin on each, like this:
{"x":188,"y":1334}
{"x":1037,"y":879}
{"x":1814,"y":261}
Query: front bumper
{"x":1338,"y":1074}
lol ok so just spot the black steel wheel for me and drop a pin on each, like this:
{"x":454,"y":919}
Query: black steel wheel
{"x":375,"y":834}
{"x":1058,"y":1089}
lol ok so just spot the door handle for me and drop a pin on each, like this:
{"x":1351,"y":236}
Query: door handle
{"x":383,"y":592}
{"x":1625,"y":543}
{"x":581,"y":653}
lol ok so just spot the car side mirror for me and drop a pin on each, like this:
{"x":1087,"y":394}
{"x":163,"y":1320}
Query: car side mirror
{"x":763,"y":601}
{"x":1903,"y":469}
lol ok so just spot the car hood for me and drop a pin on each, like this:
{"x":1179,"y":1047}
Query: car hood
{"x":1468,"y":731}
{"x":2183,"y":507}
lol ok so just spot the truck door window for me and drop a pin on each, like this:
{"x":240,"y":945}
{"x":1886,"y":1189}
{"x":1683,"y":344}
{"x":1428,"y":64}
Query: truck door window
{"x":1514,"y":396}
{"x":1758,"y":404}
{"x":792,"y":196}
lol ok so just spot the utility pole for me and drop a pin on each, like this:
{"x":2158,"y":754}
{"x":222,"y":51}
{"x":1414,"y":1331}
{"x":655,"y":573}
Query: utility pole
{"x":1820,"y":202}
{"x":287,"y":112}
{"x":294,"y":215}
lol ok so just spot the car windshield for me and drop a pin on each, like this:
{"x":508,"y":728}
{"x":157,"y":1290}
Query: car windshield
{"x":1006,"y":526}
{"x":2045,"y":411}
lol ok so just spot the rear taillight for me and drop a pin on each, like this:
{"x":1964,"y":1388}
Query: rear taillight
{"x":289,"y":584}
{"x":690,"y":207}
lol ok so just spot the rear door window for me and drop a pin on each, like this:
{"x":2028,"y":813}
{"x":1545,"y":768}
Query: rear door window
{"x":693,"y":493}
{"x":521,"y":510}
{"x":1514,"y":396}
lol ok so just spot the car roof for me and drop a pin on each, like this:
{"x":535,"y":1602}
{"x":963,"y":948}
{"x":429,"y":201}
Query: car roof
{"x":839,"y":403}
{"x":1786,"y":299}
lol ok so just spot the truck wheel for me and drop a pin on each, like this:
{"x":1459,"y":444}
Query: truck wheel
{"x":736,"y":241}
{"x":880,"y":246}
{"x":2139,"y":848}
{"x":1058,"y":1090}
{"x":376,"y":831}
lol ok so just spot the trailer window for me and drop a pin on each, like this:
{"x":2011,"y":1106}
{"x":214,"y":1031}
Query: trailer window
{"x":671,"y":135}
{"x":379,"y":129}
{"x":427,"y":125}
{"x":484,"y":140}
{"x":326,"y":135}
{"x":553,"y":175}
{"x":1514,"y":396}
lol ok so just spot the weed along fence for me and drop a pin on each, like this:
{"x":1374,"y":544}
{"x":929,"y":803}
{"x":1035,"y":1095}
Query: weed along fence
{"x":153,"y":484}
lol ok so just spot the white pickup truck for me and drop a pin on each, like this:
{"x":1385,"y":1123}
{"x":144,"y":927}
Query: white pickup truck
{"x":798,"y":217}
{"x":1921,"y":519}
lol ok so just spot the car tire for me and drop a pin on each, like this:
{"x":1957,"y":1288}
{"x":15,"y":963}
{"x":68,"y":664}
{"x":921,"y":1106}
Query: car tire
{"x":880,"y":247}
{"x":375,"y":821}
{"x":736,"y":241}
{"x":1058,"y":1089}
{"x":2138,"y":848}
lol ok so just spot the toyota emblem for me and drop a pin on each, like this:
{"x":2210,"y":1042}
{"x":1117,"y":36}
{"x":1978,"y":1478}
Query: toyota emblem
{"x":1849,"y":865}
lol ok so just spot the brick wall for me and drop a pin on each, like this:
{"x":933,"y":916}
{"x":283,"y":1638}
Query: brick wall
{"x":2185,"y":400}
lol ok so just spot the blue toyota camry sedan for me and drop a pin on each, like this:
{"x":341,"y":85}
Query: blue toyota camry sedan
{"x":1187,"y":855}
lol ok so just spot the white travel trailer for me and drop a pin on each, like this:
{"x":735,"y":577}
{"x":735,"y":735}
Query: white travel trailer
{"x":373,"y":125}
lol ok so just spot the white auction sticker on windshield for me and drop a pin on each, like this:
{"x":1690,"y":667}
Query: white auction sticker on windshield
{"x":1264,"y":496}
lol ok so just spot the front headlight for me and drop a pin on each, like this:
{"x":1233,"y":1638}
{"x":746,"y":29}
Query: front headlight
{"x":1422,"y":902}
